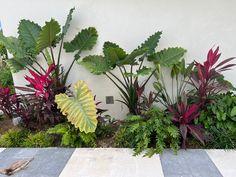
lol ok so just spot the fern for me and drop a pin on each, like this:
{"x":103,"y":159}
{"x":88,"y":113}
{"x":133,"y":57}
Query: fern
{"x":151,"y":133}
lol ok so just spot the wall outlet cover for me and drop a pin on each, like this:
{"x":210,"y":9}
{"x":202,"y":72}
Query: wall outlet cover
{"x":109,"y":100}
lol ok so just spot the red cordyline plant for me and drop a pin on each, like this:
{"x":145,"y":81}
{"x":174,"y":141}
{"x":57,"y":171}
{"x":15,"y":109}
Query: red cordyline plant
{"x":42,"y":82}
{"x":5,"y":101}
{"x":207,"y":78}
{"x":184,"y":115}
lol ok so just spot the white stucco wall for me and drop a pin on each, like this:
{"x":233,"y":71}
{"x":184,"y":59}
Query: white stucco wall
{"x":194,"y":25}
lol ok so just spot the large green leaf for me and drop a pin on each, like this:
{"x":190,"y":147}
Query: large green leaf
{"x":131,"y":58}
{"x":18,"y":64}
{"x":108,"y":45}
{"x":81,"y":109}
{"x":114,"y":55}
{"x":28,"y":33}
{"x":84,"y":40}
{"x":48,"y":35}
{"x":68,"y":20}
{"x":95,"y":64}
{"x":168,"y":57}
{"x":152,"y":42}
{"x":12,"y":44}
{"x":20,"y":57}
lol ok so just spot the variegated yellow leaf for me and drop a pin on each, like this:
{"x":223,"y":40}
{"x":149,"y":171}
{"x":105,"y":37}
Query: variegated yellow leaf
{"x":81,"y":109}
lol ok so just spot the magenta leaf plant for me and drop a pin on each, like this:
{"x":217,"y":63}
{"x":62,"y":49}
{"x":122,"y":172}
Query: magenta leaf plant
{"x":184,"y":115}
{"x":207,"y":79}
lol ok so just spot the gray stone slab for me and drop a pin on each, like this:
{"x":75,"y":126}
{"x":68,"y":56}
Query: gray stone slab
{"x":188,"y":163}
{"x":48,"y":162}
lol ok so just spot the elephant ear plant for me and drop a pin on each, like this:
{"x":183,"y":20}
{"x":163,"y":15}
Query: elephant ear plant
{"x":131,"y":67}
{"x":34,"y":41}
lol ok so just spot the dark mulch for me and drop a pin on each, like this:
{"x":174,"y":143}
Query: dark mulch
{"x":5,"y":124}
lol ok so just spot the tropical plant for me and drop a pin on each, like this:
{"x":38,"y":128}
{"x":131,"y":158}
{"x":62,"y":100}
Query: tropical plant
{"x":207,"y":79}
{"x":179,"y":76}
{"x":39,"y":139}
{"x":13,"y":137}
{"x":184,"y":115}
{"x":131,"y":67}
{"x":221,"y":138}
{"x":73,"y":137}
{"x":6,"y":79}
{"x":34,"y":41}
{"x":151,"y":133}
{"x":79,"y":109}
{"x":221,"y":113}
{"x":7,"y":102}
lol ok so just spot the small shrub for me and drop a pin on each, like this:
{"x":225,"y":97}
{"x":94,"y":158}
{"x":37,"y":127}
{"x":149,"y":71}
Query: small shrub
{"x":13,"y":138}
{"x":6,"y":77}
{"x":40,"y":139}
{"x":221,"y":138}
{"x":72,"y":137}
{"x":152,"y":133}
{"x":221,"y":113}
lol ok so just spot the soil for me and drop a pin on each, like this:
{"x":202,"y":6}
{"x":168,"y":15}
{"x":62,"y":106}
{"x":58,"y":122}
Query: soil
{"x":5,"y":124}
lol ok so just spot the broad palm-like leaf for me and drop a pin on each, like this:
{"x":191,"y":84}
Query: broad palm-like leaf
{"x":131,"y":58}
{"x":152,"y":42}
{"x":68,"y":20}
{"x":96,"y":64}
{"x":28,"y":33}
{"x":48,"y":35}
{"x":168,"y":57}
{"x":20,"y":57}
{"x":12,"y":44}
{"x":18,"y":64}
{"x":81,"y":109}
{"x":114,"y":55}
{"x":84,"y":40}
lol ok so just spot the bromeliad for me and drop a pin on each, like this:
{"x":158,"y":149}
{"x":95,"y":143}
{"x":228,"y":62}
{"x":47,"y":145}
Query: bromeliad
{"x":41,"y":82}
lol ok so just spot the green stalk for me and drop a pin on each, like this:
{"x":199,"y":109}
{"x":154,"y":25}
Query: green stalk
{"x":68,"y":71}
{"x":123,"y":75}
{"x":118,"y":80}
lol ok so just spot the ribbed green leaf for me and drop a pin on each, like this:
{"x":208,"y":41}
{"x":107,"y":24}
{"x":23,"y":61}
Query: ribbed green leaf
{"x":18,"y":64}
{"x":68,"y":20}
{"x":12,"y":44}
{"x":28,"y":33}
{"x":84,"y":40}
{"x":48,"y":35}
{"x":95,"y":64}
{"x":108,"y":44}
{"x":81,"y":109}
{"x":168,"y":57}
{"x":152,"y":42}
{"x":114,"y":55}
{"x":131,"y":58}
{"x":144,"y":71}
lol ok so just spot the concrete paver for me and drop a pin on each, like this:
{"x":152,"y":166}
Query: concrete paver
{"x":47,"y":162}
{"x":188,"y":163}
{"x":111,"y":163}
{"x":225,"y":161}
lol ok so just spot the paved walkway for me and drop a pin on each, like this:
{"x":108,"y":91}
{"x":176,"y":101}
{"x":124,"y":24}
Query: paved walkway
{"x":65,"y":162}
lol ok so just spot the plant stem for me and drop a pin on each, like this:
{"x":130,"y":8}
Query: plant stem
{"x":123,"y":75}
{"x":118,"y":79}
